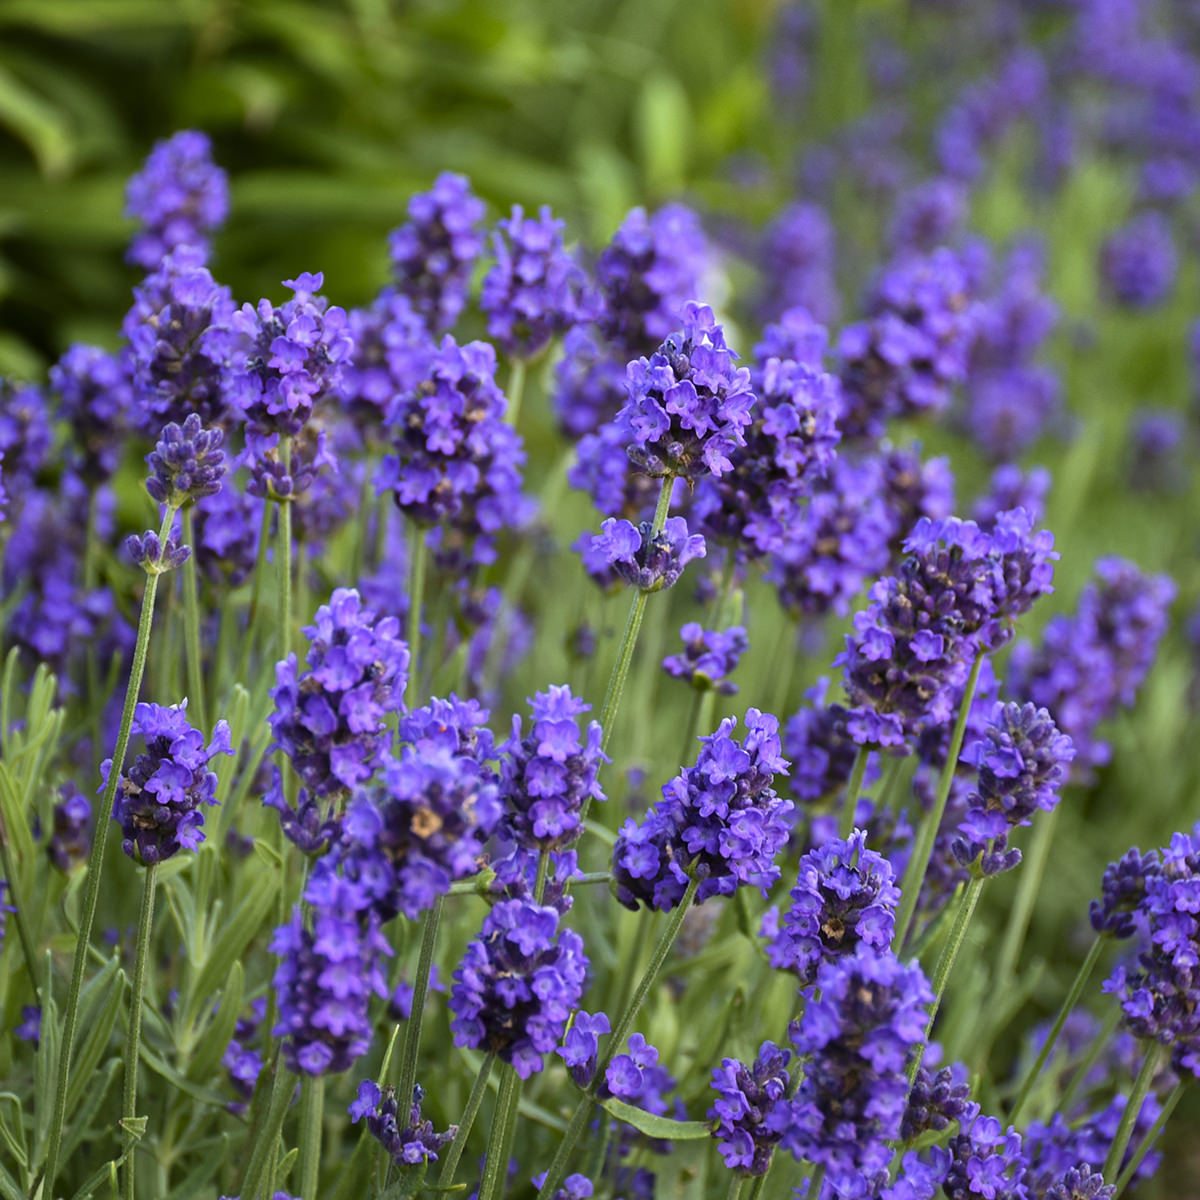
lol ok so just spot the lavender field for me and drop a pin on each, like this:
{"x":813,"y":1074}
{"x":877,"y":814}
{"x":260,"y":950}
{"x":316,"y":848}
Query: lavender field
{"x":599,"y":600}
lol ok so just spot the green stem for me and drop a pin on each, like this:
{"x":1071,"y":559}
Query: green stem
{"x":95,"y":866}
{"x":1033,"y":869}
{"x":260,"y":570}
{"x":516,"y":391}
{"x":693,"y":726}
{"x":945,"y":962}
{"x":191,"y":625}
{"x":1146,"y":1144}
{"x":1080,"y":982}
{"x":735,"y":1186}
{"x":282,"y":1084}
{"x":412,"y":1032}
{"x":620,"y":671}
{"x":133,"y":1042}
{"x":1141,"y":1085}
{"x":1099,"y":1043}
{"x":579,"y":1119}
{"x":852,"y":790}
{"x":417,"y":556}
{"x":918,"y":864}
{"x":495,"y":1167}
{"x":312,"y":1114}
{"x":474,"y":1100}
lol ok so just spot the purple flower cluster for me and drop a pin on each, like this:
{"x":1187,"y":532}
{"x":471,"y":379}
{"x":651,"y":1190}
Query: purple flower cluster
{"x":1139,"y":263}
{"x":155,"y":556}
{"x":820,"y":748}
{"x":709,"y":657}
{"x":186,"y":464}
{"x":636,"y":1077}
{"x":746,"y":1098}
{"x":646,"y":274}
{"x":581,"y":1045}
{"x":392,"y":347}
{"x":719,"y":821}
{"x":1091,"y":663}
{"x":422,"y":824}
{"x":905,"y":359}
{"x":845,"y":896}
{"x":283,"y":361}
{"x":434,"y":252}
{"x":176,"y":340}
{"x":416,"y":1142}
{"x":789,"y":445}
{"x":549,"y":774}
{"x":636,"y":556}
{"x":840,"y":543}
{"x":159,"y":795}
{"x":986,"y":1160}
{"x":955,"y":597}
{"x":798,"y":262}
{"x":865,"y":1015}
{"x":329,"y":719}
{"x":936,"y":1101}
{"x":1158,"y":993}
{"x":243,"y":1064}
{"x":927,"y":216}
{"x":1122,"y":891}
{"x":95,"y":399}
{"x":688,"y":403}
{"x":1009,"y":488}
{"x":25,"y":432}
{"x":455,"y":459}
{"x":589,"y":384}
{"x":1022,"y":760}
{"x":71,"y":835}
{"x":324,"y":982}
{"x":517,"y":984}
{"x":535,"y":289}
{"x":178,"y":198}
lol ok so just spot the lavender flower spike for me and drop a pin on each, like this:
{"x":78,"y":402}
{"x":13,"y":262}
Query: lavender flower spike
{"x":637,"y":556}
{"x":159,"y":795}
{"x":688,"y":404}
{"x":186,"y":464}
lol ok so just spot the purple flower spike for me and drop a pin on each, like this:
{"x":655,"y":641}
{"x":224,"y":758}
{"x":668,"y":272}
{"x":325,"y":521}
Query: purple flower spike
{"x":845,"y":896}
{"x":176,"y":332}
{"x":148,"y":552}
{"x":632,"y":555}
{"x":416,"y":1142}
{"x":186,"y":464}
{"x":324,"y":982}
{"x":536,"y":289}
{"x":746,"y":1098}
{"x":798,"y":259}
{"x":1139,"y":263}
{"x":646,"y":274}
{"x":329,"y":720}
{"x":719,"y":821}
{"x":987,"y":1162}
{"x":550,"y":773}
{"x":96,"y":400}
{"x":1022,"y":760}
{"x":178,"y":198}
{"x":581,"y":1045}
{"x":688,"y":404}
{"x":158,"y":797}
{"x":434,"y":252}
{"x":709,"y":657}
{"x":517,"y":985}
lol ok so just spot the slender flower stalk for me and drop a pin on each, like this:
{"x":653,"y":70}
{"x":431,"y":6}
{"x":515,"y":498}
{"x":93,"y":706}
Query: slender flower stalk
{"x":133,"y":1040}
{"x":918,"y":864}
{"x":620,"y":671}
{"x":1033,"y":871}
{"x":579,"y":1119}
{"x":284,"y":565}
{"x":1145,"y":1145}
{"x":412,"y":1032}
{"x":417,"y":560}
{"x":466,"y":1121}
{"x":853,"y":788}
{"x":1076,"y":990}
{"x":95,"y":867}
{"x":312,"y":1113}
{"x":1141,"y":1085}
{"x":191,"y":622}
{"x":516,"y":391}
{"x":18,"y":912}
{"x":504,"y":1123}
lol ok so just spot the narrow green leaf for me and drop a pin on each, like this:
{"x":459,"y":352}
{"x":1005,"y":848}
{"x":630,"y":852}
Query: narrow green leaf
{"x":194,"y":1181}
{"x":239,"y":931}
{"x":15,"y":1144}
{"x":219,"y":1034}
{"x":8,"y":1186}
{"x":16,"y":822}
{"x":45,"y":1074}
{"x":656,"y":1127}
{"x":98,"y":1015}
{"x":97,"y":1088}
{"x":160,"y":1067}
